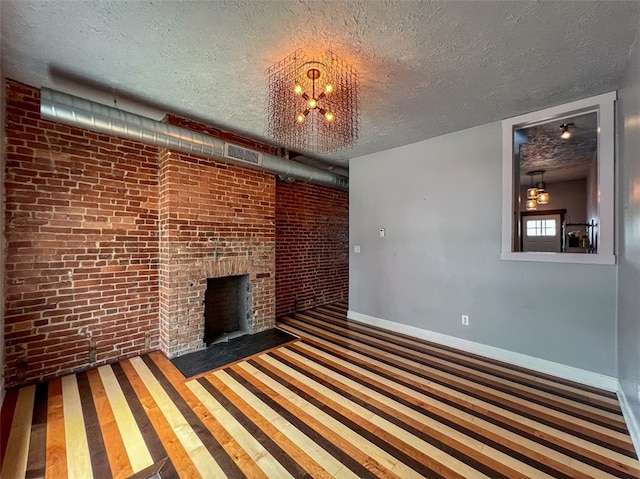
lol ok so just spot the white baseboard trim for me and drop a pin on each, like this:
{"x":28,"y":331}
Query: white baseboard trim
{"x":630,"y":418}
{"x":530,"y":362}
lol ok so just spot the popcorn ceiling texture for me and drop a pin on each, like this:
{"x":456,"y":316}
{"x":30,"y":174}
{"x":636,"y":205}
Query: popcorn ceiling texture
{"x":425,"y":68}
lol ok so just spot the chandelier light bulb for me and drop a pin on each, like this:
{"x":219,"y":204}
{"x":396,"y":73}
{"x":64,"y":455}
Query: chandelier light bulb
{"x":297,"y":89}
{"x":300,"y":118}
{"x":329,"y":116}
{"x":312,"y":103}
{"x":531,"y":205}
{"x":328,"y":88}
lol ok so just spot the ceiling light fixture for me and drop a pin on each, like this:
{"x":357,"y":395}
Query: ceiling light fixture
{"x":566,"y":133}
{"x":538,"y":194}
{"x":312,"y":102}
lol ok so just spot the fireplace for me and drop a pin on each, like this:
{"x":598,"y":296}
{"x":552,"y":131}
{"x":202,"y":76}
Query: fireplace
{"x":227,"y":308}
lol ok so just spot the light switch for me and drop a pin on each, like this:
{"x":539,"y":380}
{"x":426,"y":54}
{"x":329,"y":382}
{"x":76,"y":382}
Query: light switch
{"x":383,"y":232}
{"x":356,"y":248}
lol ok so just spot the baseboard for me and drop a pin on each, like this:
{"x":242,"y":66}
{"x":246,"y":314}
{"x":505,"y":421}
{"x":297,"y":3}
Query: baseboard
{"x":571,"y":373}
{"x":630,"y":418}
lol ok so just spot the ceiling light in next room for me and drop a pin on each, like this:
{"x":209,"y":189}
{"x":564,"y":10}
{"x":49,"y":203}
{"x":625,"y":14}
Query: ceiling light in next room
{"x":566,"y":133}
{"x":312,"y":102}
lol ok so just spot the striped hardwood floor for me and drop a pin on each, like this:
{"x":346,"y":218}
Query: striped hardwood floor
{"x":344,"y":401}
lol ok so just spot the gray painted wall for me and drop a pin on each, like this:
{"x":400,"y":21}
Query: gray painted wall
{"x":629,"y":235}
{"x":440,"y":201}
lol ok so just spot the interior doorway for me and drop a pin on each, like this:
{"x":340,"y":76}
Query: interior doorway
{"x":542,"y":231}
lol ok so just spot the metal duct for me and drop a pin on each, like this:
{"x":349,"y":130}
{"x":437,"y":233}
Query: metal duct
{"x":74,"y":111}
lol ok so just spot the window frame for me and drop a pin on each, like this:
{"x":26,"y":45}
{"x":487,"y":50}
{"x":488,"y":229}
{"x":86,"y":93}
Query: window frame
{"x":603,"y":105}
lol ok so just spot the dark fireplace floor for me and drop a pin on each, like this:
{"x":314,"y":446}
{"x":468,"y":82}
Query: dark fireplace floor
{"x":221,"y":354}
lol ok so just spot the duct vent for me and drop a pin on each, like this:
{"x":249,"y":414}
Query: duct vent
{"x":234,"y":152}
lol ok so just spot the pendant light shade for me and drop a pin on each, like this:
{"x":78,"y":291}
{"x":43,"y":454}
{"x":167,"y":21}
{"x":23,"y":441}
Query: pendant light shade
{"x":531,"y":205}
{"x":543,"y":198}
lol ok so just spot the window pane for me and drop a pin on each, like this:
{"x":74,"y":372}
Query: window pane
{"x":541,"y":227}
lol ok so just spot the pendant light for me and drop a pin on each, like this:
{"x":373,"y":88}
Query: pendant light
{"x":536,"y":194}
{"x":532,"y":191}
{"x":543,"y":194}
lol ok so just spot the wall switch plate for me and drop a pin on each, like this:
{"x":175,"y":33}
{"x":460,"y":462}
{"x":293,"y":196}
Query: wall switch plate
{"x":356,"y":248}
{"x":465,"y":320}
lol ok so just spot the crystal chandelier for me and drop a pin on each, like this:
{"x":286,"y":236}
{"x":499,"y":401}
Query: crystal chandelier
{"x":312,"y":103}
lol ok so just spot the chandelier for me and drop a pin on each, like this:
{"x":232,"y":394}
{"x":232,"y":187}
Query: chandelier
{"x":312,"y":102}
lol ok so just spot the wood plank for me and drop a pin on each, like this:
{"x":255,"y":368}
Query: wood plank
{"x":517,"y":443}
{"x":15,"y":461}
{"x":56,"y":444}
{"x":252,"y":447}
{"x":230,"y":445}
{"x":115,"y":446}
{"x":209,"y":441}
{"x":551,"y":400}
{"x":455,"y":360}
{"x":168,"y":437}
{"x":310,"y":416}
{"x":370,"y":446}
{"x":346,"y":400}
{"x":293,"y":458}
{"x":78,"y":455}
{"x":457,"y":443}
{"x":297,"y":444}
{"x":37,"y":461}
{"x":138,"y":456}
{"x":341,"y":318}
{"x":6,"y":419}
{"x":193,"y":446}
{"x":430,"y":458}
{"x":97,"y":450}
{"x":340,"y":453}
{"x":420,"y":375}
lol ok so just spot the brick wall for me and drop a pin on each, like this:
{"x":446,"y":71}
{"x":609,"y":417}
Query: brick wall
{"x":216,"y":220}
{"x":312,"y":246}
{"x":82,"y":244}
{"x":110,"y":243}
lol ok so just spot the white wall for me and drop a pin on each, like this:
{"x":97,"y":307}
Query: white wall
{"x":440,"y":201}
{"x":628,"y":218}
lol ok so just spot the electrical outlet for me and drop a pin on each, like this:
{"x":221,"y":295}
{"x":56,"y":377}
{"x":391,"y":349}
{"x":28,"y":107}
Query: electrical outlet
{"x":465,"y":320}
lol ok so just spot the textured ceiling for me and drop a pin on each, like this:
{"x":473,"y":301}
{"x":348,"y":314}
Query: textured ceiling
{"x":425,"y":68}
{"x":542,"y":148}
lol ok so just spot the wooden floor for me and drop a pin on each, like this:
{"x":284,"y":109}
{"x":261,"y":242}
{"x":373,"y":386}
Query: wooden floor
{"x":346,"y":400}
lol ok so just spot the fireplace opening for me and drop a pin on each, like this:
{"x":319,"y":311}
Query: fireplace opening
{"x":227,"y":308}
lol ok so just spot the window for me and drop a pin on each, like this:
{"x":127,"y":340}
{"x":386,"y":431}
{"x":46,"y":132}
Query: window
{"x":541,"y":228}
{"x":521,"y":170}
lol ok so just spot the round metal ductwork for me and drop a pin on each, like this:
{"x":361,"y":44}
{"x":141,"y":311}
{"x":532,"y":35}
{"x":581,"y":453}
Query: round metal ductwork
{"x":74,"y":111}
